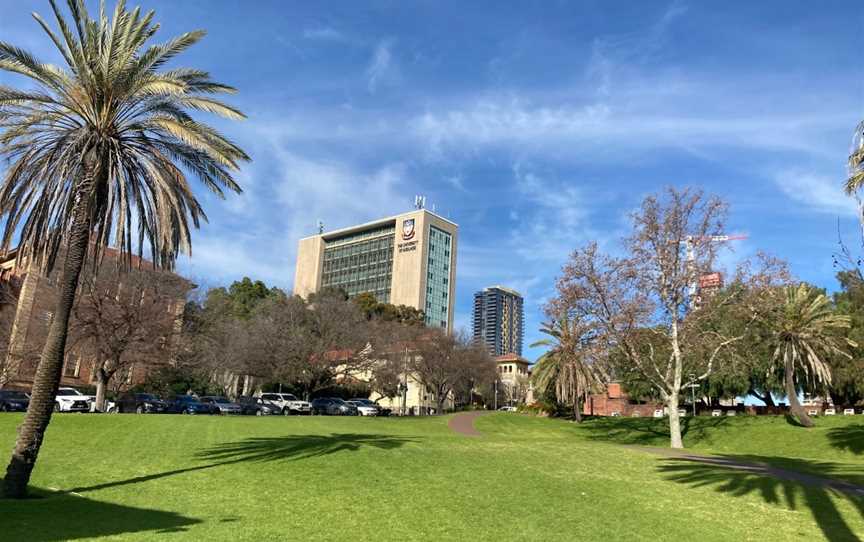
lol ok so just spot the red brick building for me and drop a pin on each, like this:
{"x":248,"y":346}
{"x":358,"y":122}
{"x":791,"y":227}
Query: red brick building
{"x":615,"y":402}
{"x":28,"y":323}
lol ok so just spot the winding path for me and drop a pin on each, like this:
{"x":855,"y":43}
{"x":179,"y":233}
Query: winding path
{"x":463,"y":423}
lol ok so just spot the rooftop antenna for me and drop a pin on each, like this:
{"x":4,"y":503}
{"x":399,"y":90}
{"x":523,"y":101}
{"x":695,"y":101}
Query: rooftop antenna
{"x":320,"y":227}
{"x":419,"y":202}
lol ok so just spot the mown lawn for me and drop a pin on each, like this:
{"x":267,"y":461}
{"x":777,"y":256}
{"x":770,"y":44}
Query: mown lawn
{"x":128,"y":477}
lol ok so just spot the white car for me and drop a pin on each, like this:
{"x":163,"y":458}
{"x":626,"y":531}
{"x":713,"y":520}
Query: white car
{"x":288,"y":403}
{"x":364,"y":408}
{"x":72,"y":400}
{"x":508,"y":409}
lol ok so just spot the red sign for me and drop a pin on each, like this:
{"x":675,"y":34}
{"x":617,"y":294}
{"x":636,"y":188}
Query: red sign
{"x":711,"y":280}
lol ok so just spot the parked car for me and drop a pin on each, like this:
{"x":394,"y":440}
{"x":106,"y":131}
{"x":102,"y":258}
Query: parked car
{"x":359,"y":401}
{"x":13,"y":401}
{"x":367,"y":408}
{"x":332,"y":406}
{"x":257,"y":406}
{"x":288,"y":403}
{"x":140,"y":403}
{"x":221,"y":404}
{"x":189,"y":404}
{"x":507,"y":409}
{"x":72,"y":400}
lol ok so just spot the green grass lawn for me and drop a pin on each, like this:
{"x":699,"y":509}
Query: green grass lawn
{"x":217,"y":478}
{"x":833,"y":449}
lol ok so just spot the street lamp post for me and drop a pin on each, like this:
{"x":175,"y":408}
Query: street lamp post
{"x":693,"y":387}
{"x":495,"y":402}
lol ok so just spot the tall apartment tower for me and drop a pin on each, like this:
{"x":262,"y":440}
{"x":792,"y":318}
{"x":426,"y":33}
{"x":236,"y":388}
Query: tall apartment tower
{"x":499,"y":320}
{"x":409,"y":259}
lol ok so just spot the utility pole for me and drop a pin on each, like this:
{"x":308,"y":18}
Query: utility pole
{"x":495,"y":402}
{"x":693,"y":386}
{"x":689,"y":243}
{"x":405,"y":384}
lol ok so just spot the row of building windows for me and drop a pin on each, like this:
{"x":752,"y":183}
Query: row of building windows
{"x":388,"y":231}
{"x":365,"y":265}
{"x":438,"y":277}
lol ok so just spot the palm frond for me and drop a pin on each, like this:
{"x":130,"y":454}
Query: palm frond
{"x":111,"y":100}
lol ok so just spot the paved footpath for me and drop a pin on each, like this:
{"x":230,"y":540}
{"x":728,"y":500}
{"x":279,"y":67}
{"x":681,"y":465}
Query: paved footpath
{"x":760,"y":469}
{"x":463,"y":423}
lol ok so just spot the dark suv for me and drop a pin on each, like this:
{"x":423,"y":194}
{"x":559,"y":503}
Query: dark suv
{"x":189,"y":404}
{"x":141,"y":403}
{"x":332,"y":406}
{"x":257,"y":406}
{"x":13,"y":401}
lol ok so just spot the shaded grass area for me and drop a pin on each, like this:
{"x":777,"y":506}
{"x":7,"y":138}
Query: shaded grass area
{"x":833,"y":448}
{"x":300,"y":478}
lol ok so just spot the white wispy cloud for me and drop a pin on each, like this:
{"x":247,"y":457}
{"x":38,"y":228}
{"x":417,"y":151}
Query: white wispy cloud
{"x":381,"y":68}
{"x":520,"y":124}
{"x":818,"y":192}
{"x":324,"y":33}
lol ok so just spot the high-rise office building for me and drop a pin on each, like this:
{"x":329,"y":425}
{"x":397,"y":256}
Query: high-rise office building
{"x":409,"y":259}
{"x":499,"y":320}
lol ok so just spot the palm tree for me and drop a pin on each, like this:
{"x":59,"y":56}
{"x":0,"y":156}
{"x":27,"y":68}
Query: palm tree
{"x":805,"y":332}
{"x":856,"y":162}
{"x":98,"y":153}
{"x":567,"y":369}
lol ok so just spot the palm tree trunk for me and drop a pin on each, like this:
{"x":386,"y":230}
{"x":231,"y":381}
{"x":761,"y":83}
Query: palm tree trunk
{"x":792,"y":393}
{"x":49,"y":371}
{"x":577,"y":415}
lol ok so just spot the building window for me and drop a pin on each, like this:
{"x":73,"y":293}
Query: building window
{"x":72,"y":368}
{"x":438,"y":276}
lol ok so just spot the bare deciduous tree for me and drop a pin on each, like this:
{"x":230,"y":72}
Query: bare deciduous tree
{"x":123,"y":318}
{"x":652,"y":290}
{"x":444,"y":363}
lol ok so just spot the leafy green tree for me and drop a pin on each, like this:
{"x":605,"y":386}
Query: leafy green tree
{"x":241,"y":298}
{"x":804,"y":329}
{"x":388,"y":312}
{"x":99,"y":151}
{"x":847,"y":374}
{"x":568,"y":370}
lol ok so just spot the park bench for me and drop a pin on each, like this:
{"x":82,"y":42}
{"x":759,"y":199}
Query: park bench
{"x":848,"y":411}
{"x":830,"y":412}
{"x":716,"y":413}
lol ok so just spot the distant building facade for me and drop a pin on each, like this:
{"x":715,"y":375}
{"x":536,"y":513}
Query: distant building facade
{"x":408,"y":259}
{"x":614,"y":401}
{"x":514,"y":374}
{"x":499,"y":320}
{"x":33,"y":311}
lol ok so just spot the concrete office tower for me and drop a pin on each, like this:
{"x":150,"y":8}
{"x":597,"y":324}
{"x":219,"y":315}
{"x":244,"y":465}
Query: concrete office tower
{"x":409,"y":259}
{"x":499,"y":320}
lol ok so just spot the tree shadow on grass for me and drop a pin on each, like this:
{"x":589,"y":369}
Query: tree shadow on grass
{"x":261,"y":449}
{"x":648,"y":431}
{"x":54,"y":517}
{"x":850,"y":438}
{"x":774,"y":486}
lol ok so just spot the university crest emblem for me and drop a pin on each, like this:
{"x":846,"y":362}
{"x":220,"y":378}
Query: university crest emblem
{"x":407,"y":229}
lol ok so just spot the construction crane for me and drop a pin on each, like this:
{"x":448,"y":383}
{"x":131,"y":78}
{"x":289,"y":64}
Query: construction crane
{"x":689,"y":242}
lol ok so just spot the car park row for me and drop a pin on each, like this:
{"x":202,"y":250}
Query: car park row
{"x":72,"y":400}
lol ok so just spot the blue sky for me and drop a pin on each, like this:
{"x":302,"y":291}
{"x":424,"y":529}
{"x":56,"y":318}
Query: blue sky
{"x":536,"y":126}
